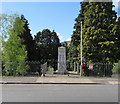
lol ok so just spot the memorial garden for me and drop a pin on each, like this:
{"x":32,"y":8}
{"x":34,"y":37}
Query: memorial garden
{"x":23,"y":54}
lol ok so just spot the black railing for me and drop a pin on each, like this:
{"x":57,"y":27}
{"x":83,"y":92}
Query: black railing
{"x":99,"y":69}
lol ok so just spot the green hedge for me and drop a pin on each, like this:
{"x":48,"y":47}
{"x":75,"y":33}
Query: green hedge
{"x":116,"y":68}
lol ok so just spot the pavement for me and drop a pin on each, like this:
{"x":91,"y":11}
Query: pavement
{"x":71,"y":78}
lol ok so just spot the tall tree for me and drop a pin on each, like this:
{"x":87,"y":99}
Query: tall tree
{"x":98,"y":28}
{"x":73,"y":53}
{"x":116,"y":31}
{"x":28,"y":39}
{"x":47,"y":44}
{"x":98,"y":39}
{"x":55,"y":43}
{"x":74,"y":49}
{"x":14,"y":53}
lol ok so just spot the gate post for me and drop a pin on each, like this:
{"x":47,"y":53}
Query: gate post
{"x":77,"y":67}
{"x":74,"y":66}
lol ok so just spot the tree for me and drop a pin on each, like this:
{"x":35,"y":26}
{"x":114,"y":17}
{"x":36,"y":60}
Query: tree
{"x":75,"y":39}
{"x":14,"y":53}
{"x":28,"y":40}
{"x":6,"y":22}
{"x":98,"y":39}
{"x":74,"y":50}
{"x":42,"y":40}
{"x":100,"y":33}
{"x":47,"y":44}
{"x":116,"y":31}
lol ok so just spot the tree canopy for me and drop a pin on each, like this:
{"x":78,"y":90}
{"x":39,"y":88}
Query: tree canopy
{"x":47,"y":43}
{"x":14,"y":53}
{"x":99,"y":29}
{"x":28,"y":40}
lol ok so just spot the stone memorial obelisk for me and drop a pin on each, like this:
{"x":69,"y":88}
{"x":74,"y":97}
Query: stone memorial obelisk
{"x":62,"y":60}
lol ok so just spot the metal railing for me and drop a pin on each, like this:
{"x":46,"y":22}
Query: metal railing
{"x":99,"y":69}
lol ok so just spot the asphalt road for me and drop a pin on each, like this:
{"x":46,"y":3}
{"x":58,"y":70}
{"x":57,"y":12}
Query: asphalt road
{"x":59,"y":93}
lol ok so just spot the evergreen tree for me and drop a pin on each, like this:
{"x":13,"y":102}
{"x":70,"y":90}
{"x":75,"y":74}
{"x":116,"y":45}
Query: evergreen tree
{"x":116,"y":32}
{"x":28,"y":40}
{"x":100,"y":33}
{"x":73,"y":53}
{"x":55,"y":43}
{"x":74,"y":50}
{"x":47,"y":44}
{"x":98,"y":39}
{"x":42,"y":40}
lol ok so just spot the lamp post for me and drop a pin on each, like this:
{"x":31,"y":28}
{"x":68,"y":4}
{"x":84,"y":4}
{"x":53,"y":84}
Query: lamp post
{"x":81,"y":51}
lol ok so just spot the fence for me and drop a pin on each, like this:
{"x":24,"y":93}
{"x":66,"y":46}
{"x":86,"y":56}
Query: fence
{"x":34,"y":67}
{"x":99,"y":69}
{"x":102,"y":69}
{"x":42,"y":67}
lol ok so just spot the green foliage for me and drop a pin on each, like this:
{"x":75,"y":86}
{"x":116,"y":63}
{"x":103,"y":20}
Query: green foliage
{"x":100,"y":32}
{"x":73,"y":51}
{"x":116,"y":68}
{"x":98,"y":41}
{"x":51,"y":69}
{"x":28,"y":40}
{"x":47,"y":43}
{"x":14,"y":53}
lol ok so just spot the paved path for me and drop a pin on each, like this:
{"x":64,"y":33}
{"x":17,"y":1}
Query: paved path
{"x":65,"y":80}
{"x":55,"y":78}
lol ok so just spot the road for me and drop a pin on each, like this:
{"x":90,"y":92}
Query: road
{"x":59,"y":93}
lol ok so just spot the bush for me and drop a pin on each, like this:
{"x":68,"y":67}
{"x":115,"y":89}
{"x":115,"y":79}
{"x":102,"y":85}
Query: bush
{"x":116,"y":68}
{"x":51,"y":69}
